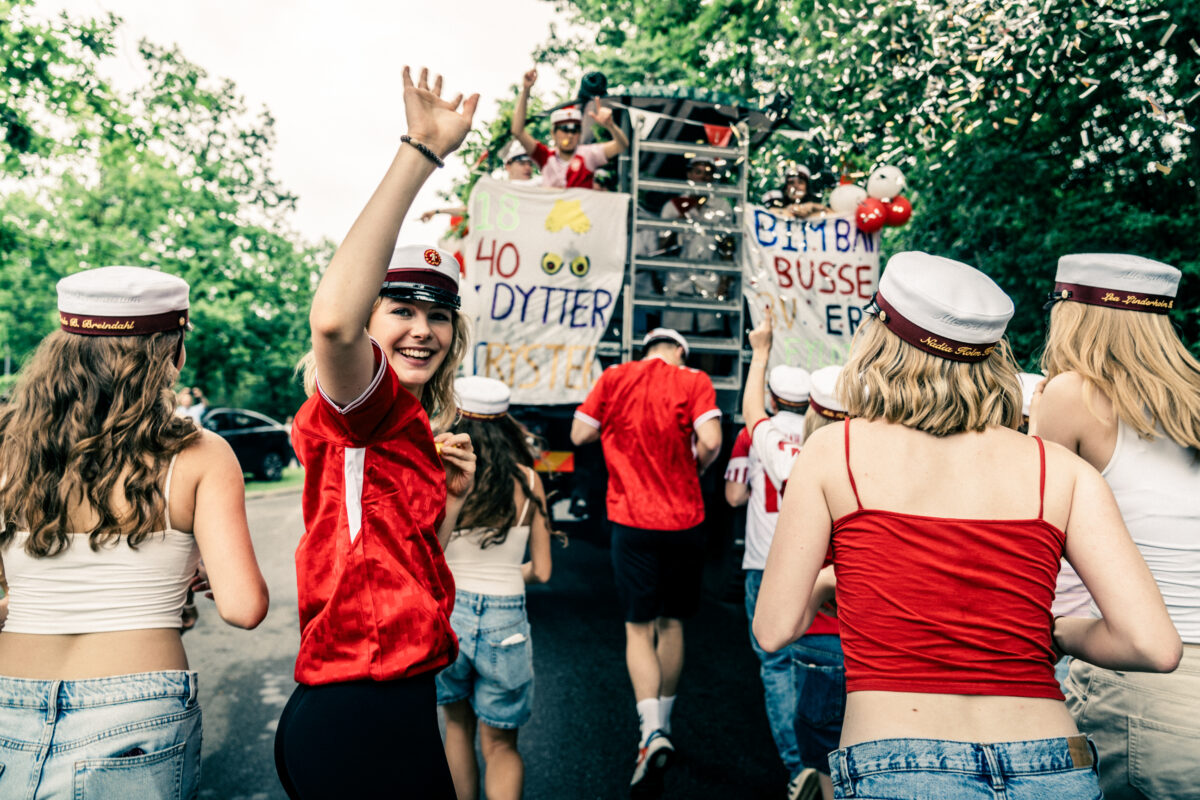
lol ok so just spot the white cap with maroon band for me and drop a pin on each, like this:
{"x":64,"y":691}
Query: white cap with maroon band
{"x":482,"y":398}
{"x":568,"y":114}
{"x":824,"y":399}
{"x":420,"y":272}
{"x":665,"y":335}
{"x":790,"y":384}
{"x":122,"y":301}
{"x":941,"y":306}
{"x":1117,"y":280}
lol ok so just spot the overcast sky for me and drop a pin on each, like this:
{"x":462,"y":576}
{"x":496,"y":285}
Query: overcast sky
{"x":330,"y":74}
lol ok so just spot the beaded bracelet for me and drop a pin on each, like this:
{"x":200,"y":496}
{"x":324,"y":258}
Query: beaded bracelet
{"x":423,"y":150}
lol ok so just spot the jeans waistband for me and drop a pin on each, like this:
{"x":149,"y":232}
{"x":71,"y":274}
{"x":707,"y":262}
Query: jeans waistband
{"x":997,"y":760}
{"x":479,"y":602}
{"x":91,"y":692}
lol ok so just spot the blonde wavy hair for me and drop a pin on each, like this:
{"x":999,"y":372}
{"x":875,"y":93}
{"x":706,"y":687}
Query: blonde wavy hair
{"x":888,"y":378}
{"x":1133,"y":358}
{"x":437,"y":396}
{"x":91,"y":422}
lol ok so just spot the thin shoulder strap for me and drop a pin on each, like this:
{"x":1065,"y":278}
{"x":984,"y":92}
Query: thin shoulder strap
{"x":525,"y":508}
{"x":853,"y":487}
{"x":167,"y":492}
{"x":1042,"y":477}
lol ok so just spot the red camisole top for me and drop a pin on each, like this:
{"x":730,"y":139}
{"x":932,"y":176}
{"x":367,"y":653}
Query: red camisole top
{"x":947,"y":606}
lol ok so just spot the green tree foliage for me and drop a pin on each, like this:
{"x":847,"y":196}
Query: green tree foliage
{"x":1027,"y":128}
{"x":175,"y":174}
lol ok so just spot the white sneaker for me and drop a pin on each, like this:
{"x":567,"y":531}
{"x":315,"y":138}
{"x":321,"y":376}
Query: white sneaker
{"x":805,"y":786}
{"x":652,"y":759}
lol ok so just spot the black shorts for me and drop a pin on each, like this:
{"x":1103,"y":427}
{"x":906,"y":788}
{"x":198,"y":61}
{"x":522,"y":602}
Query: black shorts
{"x":658,"y":573}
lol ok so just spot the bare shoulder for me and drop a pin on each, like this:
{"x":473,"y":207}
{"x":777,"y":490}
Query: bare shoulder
{"x":208,"y":451}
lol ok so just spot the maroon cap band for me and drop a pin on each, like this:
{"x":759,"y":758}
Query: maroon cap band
{"x":477,"y":415}
{"x":93,"y":325}
{"x":931,"y":343}
{"x":1114,"y":298}
{"x":827,"y":413}
{"x":427,"y":277}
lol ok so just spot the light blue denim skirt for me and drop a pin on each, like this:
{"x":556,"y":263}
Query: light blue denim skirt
{"x":127,"y":736}
{"x":935,"y":769}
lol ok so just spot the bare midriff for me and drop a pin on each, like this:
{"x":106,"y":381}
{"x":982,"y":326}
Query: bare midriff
{"x":80,"y":656}
{"x":872,"y":715}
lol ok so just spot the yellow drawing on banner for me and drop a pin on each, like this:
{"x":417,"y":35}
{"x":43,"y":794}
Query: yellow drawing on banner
{"x":568,"y":214}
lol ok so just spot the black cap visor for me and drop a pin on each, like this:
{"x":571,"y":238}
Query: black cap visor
{"x":403,"y":290}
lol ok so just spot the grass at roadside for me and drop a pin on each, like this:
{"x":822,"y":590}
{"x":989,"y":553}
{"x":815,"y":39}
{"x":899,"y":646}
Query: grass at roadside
{"x":293,"y":478}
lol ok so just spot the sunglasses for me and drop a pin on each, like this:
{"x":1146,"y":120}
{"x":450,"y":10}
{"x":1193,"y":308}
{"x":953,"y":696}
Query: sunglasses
{"x":567,"y":128}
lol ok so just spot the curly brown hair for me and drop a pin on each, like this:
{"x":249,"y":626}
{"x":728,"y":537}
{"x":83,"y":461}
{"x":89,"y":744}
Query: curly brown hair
{"x":91,"y":418}
{"x":505,"y":453}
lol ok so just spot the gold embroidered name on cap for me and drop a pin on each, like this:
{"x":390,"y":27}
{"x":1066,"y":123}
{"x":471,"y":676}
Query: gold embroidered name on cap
{"x":433,"y":258}
{"x":1136,"y":300}
{"x":91,"y":324}
{"x":961,"y":350}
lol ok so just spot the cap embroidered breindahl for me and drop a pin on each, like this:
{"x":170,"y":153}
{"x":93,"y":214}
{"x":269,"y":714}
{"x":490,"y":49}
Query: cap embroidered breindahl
{"x":122,"y":301}
{"x":421,"y":272}
{"x":790,"y":384}
{"x":482,"y":398}
{"x":1117,"y":280}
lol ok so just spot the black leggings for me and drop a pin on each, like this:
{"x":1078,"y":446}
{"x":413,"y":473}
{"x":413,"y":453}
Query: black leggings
{"x":363,"y":739}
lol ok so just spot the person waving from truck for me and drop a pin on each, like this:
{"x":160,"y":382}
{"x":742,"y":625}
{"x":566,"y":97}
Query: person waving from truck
{"x":570,"y":164}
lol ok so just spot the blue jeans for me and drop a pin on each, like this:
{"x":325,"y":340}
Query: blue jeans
{"x":494,"y":669}
{"x":128,"y":736}
{"x":935,"y":769}
{"x":805,"y":689}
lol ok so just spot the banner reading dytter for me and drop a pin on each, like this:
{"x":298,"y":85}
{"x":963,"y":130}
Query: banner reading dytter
{"x":816,"y":275}
{"x":548,"y":267}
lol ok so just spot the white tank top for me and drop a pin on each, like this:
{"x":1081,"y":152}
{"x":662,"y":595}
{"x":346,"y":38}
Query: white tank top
{"x":115,"y":588}
{"x":493,"y":570}
{"x":1157,"y":486}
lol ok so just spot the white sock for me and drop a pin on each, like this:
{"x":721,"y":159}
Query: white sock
{"x":648,"y":716}
{"x":665,"y":704}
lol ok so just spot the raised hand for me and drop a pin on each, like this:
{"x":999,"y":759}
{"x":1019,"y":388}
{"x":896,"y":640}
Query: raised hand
{"x":436,"y":123}
{"x":458,"y":456}
{"x":760,"y":337}
{"x":529,"y":79}
{"x":602,"y":116}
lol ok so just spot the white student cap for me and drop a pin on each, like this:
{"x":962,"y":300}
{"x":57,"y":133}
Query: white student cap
{"x":421,"y":272}
{"x":772,"y":196}
{"x":698,"y":160}
{"x":941,"y":306}
{"x":790,"y":384}
{"x":824,"y":399}
{"x":512,"y":151}
{"x":1029,"y":382}
{"x":1117,"y":280}
{"x":122,"y":301}
{"x":568,"y":114}
{"x":665,"y":335}
{"x":482,"y":398}
{"x":797,"y":170}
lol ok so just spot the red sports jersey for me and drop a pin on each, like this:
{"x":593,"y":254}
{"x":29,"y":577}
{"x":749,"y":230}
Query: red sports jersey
{"x":374,"y":590}
{"x":647,"y":412}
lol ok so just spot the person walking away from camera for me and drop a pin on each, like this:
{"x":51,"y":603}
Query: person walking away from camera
{"x":109,"y":503}
{"x":654,"y":406}
{"x":1124,"y":393}
{"x":381,"y":493}
{"x":490,"y":686}
{"x":787,"y":691}
{"x":568,"y":164}
{"x":948,"y":526}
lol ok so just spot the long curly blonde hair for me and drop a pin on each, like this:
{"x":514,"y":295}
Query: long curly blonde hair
{"x":91,"y":422}
{"x":1136,"y":360}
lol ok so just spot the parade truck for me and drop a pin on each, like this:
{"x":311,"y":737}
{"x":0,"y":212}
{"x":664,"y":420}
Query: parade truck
{"x":567,"y":282}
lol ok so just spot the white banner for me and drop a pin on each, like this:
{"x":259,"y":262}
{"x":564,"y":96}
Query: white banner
{"x":817,"y":275}
{"x":547,"y":266}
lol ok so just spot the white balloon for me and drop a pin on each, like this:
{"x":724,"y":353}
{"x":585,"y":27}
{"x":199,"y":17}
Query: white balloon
{"x":886,"y":183}
{"x":845,"y":198}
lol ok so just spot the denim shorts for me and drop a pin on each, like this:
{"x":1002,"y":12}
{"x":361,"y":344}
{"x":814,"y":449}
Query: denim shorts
{"x":821,"y":696}
{"x":494,"y":669}
{"x":936,"y":769}
{"x":128,"y":736}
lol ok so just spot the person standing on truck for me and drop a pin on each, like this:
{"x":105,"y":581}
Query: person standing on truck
{"x":654,"y":406}
{"x":570,"y":164}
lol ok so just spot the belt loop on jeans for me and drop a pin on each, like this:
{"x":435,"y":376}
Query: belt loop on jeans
{"x":192,"y":687}
{"x":993,"y":767}
{"x":843,"y":768}
{"x":52,"y":701}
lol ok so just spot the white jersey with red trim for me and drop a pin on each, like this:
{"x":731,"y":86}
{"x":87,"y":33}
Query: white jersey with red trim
{"x":754,"y":461}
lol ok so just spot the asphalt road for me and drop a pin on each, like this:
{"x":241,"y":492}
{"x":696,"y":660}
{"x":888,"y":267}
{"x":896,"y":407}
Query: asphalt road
{"x":580,"y":742}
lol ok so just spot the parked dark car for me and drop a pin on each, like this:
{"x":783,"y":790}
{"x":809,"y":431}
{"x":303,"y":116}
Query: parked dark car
{"x":262,"y":445}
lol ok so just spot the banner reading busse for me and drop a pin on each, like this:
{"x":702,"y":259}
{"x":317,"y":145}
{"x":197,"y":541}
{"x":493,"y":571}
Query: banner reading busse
{"x":816,"y":275}
{"x":548,"y":267}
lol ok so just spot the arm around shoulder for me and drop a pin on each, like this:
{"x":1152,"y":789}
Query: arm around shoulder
{"x":223,"y":535}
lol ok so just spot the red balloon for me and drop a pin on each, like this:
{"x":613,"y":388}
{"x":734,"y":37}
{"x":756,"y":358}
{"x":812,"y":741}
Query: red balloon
{"x":871,"y":215}
{"x":899,"y":210}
